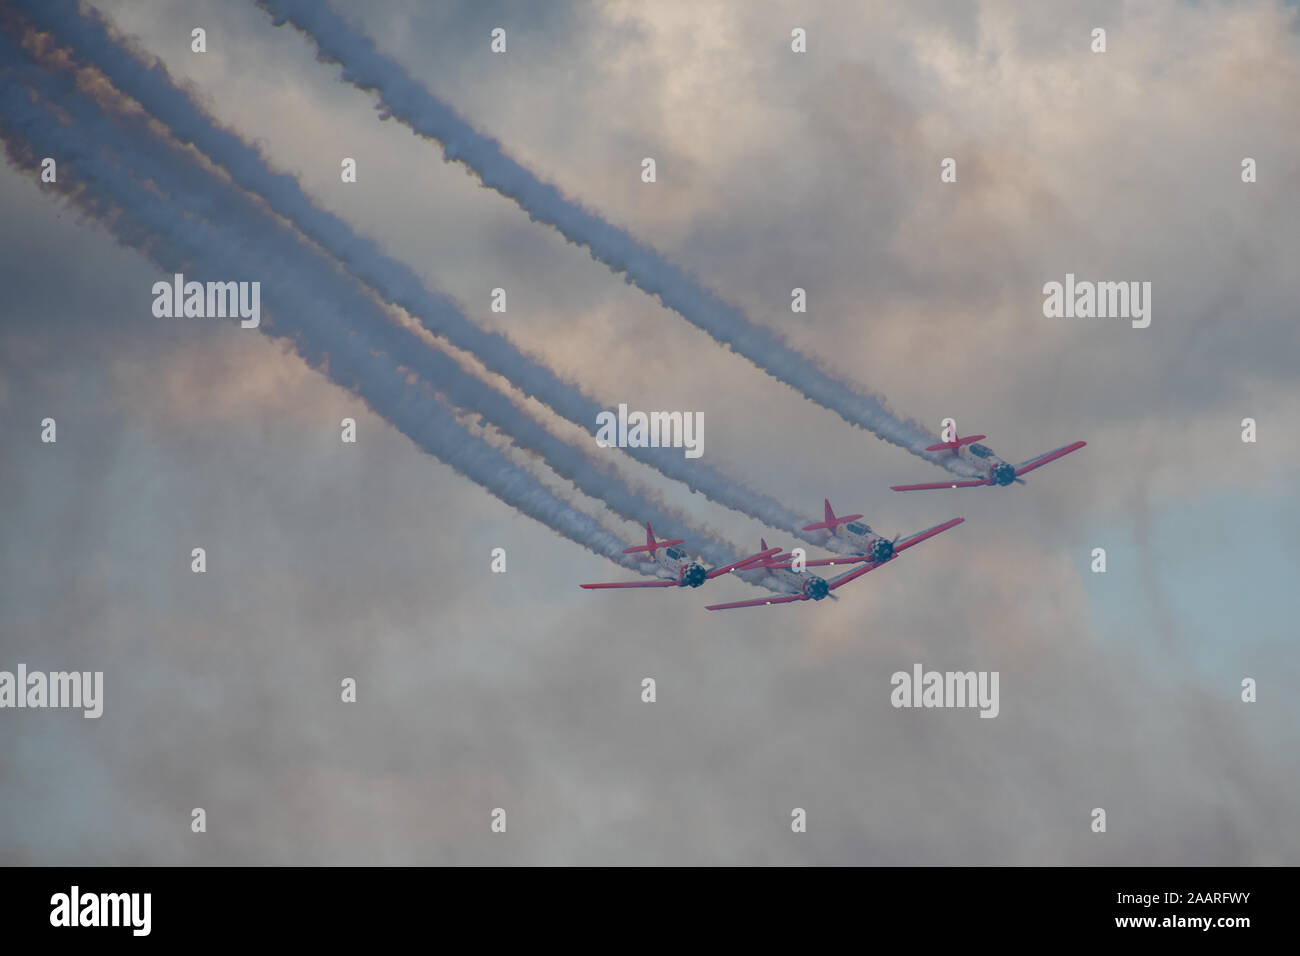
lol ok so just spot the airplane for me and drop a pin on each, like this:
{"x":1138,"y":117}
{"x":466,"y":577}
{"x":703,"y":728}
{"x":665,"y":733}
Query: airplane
{"x":811,"y":587}
{"x":682,"y":571}
{"x":805,"y":587}
{"x":997,"y":471}
{"x":865,"y":544}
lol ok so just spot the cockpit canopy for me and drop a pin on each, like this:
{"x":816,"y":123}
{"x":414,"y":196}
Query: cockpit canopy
{"x":979,"y":451}
{"x":858,"y":528}
{"x":675,"y":553}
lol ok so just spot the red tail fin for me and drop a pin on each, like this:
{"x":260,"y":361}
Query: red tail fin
{"x":831,"y":521}
{"x":651,"y":544}
{"x":761,"y":562}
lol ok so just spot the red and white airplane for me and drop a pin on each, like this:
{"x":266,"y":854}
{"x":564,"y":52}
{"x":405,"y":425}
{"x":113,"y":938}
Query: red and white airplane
{"x":677,"y":565}
{"x":802,"y":586}
{"x":997,"y":471}
{"x":874,"y":551}
{"x":865,"y":544}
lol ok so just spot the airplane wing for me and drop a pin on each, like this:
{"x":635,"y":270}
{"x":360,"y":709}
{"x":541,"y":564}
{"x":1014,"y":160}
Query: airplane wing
{"x":836,"y":582}
{"x":826,"y":562}
{"x":929,"y":533}
{"x":901,"y":546}
{"x":785,"y":599}
{"x":1041,"y":460}
{"x":633,"y":584}
{"x":735,"y":564}
{"x":940,"y":484}
{"x":840,"y":580}
{"x":856,"y":573}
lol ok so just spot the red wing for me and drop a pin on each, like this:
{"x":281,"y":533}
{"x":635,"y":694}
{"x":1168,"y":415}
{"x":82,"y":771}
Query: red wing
{"x":848,"y":576}
{"x":735,"y":564}
{"x":1041,"y":460}
{"x":759,"y":603}
{"x":831,"y":562}
{"x":856,"y":573}
{"x":633,"y":584}
{"x":824,"y":562}
{"x":940,"y":484}
{"x":921,"y":536}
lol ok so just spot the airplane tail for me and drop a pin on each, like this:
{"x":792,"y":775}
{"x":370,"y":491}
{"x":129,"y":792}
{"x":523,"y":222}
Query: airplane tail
{"x":651,"y":545}
{"x":831,"y":520}
{"x":956,"y":443}
{"x":764,"y":559}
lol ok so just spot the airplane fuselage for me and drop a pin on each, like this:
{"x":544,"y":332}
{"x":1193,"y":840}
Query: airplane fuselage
{"x":996,"y":471}
{"x":863,"y":541}
{"x":810,"y":585}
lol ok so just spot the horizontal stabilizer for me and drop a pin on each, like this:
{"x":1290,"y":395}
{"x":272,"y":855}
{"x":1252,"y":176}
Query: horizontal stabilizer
{"x":652,"y":547}
{"x":954,"y":445}
{"x":831,"y":521}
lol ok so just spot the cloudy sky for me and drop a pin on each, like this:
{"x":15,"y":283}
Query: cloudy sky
{"x":775,"y":170}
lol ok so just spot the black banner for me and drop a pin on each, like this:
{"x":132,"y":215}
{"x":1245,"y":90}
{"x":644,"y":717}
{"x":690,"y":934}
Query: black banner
{"x":304,"y":904}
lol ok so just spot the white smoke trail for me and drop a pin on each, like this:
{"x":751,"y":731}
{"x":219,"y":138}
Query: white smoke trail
{"x":171,"y":169}
{"x":150,"y":84}
{"x":303,"y":313}
{"x":404,"y":98}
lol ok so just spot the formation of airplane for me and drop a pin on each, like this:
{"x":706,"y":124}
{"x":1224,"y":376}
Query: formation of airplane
{"x":996,"y":471}
{"x":676,"y":568}
{"x":872,"y":552}
{"x":791,"y":580}
{"x":679,"y":570}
